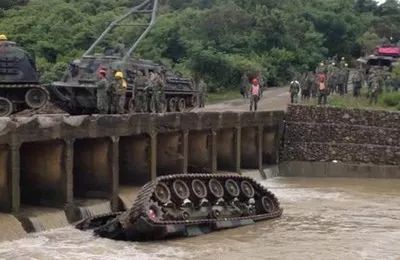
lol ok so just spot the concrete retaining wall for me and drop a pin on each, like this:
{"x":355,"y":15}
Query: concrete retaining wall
{"x":55,"y":161}
{"x":326,"y":141}
{"x":325,"y":134}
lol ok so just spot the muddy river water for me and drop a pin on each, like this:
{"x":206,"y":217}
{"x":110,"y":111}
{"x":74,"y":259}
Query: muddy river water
{"x":323,"y":219}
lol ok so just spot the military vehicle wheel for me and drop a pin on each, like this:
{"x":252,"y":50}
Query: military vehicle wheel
{"x":181,"y":189}
{"x":199,"y":189}
{"x":216,"y":188}
{"x":181,"y":105}
{"x":172,"y":105}
{"x":232,"y":188}
{"x":154,"y":212}
{"x":162,"y":193}
{"x":267,"y":204}
{"x":36,"y":98}
{"x":247,"y":189}
{"x":6,"y":107}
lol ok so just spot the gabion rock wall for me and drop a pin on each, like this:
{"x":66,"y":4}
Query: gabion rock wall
{"x":345,"y":135}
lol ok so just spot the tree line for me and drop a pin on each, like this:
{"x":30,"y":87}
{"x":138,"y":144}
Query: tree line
{"x":217,"y":40}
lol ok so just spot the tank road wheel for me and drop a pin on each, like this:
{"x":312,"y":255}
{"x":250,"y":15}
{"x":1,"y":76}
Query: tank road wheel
{"x":172,"y":105}
{"x":232,"y":188}
{"x":247,"y":189}
{"x":162,"y":193}
{"x":36,"y":98}
{"x":6,"y":107}
{"x":216,"y":188}
{"x":181,"y":105}
{"x":181,"y":189}
{"x":199,"y":189}
{"x":154,"y":212}
{"x":267,"y":204}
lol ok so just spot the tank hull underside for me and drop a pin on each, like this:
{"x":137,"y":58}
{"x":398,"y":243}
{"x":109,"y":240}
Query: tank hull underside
{"x":188,"y":205}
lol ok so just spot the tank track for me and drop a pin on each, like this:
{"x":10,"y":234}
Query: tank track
{"x":171,"y":211}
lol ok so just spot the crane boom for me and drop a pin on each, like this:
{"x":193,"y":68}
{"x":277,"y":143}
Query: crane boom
{"x":146,"y":7}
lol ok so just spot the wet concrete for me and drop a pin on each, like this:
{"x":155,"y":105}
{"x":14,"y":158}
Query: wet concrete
{"x":323,"y":219}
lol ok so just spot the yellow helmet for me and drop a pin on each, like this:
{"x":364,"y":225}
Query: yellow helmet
{"x":3,"y":37}
{"x":119,"y":75}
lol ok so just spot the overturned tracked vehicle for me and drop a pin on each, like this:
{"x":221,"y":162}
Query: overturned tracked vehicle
{"x":76,"y":93}
{"x":188,"y":205}
{"x":19,"y":81}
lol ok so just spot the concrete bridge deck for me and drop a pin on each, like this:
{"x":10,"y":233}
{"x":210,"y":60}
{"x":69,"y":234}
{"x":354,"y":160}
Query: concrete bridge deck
{"x":65,"y":161}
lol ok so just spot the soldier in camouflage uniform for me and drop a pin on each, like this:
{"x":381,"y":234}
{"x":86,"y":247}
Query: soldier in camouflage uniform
{"x":357,"y":83}
{"x":244,"y":83}
{"x":203,"y":93}
{"x":308,"y":85}
{"x":156,"y":85}
{"x":332,"y":78}
{"x":294,"y":91}
{"x":341,"y":81}
{"x":103,"y":90}
{"x":376,"y":89}
{"x":118,"y":93}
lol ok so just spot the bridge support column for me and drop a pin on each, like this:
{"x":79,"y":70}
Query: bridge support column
{"x":14,"y":178}
{"x":214,"y":152}
{"x":185,"y":152}
{"x":114,"y":156}
{"x":68,"y":165}
{"x":260,"y":136}
{"x":238,"y":143}
{"x":153,"y":155}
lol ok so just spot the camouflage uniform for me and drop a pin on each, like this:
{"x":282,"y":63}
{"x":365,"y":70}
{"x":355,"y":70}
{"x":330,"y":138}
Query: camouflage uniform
{"x":332,"y":80}
{"x":118,"y":96}
{"x":308,"y":85}
{"x":376,"y":89}
{"x":203,"y":92}
{"x":341,"y":81}
{"x":294,"y":91}
{"x":244,"y":82}
{"x":357,"y":83}
{"x":156,"y":85}
{"x":103,"y":98}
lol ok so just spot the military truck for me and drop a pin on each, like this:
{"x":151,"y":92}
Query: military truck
{"x":76,"y":92}
{"x":19,"y":80}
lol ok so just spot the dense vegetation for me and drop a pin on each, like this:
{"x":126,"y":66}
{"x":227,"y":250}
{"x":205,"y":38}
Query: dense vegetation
{"x":214,"y":39}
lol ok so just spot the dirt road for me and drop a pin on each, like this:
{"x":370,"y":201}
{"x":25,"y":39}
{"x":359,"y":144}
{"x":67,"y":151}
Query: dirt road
{"x":273,"y":99}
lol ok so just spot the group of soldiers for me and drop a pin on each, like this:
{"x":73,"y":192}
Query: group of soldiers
{"x":334,"y":77}
{"x":111,"y":95}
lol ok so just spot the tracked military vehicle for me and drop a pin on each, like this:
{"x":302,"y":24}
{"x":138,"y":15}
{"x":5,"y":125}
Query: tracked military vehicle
{"x":188,"y":205}
{"x":19,"y":81}
{"x":76,"y":93}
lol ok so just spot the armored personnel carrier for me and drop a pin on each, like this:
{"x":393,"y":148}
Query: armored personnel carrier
{"x":19,"y":81}
{"x":188,"y":205}
{"x":76,"y":93}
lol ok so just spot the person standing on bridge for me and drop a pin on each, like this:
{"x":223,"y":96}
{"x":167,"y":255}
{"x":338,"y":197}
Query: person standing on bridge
{"x":322,"y":90}
{"x":103,"y":88}
{"x":118,"y":89}
{"x":255,"y":92}
{"x":294,"y":91}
